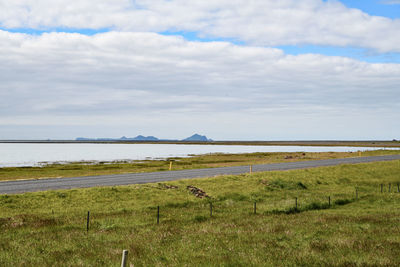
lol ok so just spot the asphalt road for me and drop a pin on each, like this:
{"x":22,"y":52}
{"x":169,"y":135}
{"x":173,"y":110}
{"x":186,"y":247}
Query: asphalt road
{"x":21,"y":186}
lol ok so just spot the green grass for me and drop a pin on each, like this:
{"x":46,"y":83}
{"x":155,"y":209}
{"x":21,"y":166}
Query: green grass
{"x":49,"y":228}
{"x":202,"y":161}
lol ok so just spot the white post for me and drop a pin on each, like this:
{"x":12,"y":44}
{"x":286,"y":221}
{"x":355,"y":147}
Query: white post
{"x":124,"y":258}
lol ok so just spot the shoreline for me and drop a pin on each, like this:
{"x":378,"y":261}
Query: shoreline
{"x":93,"y":168}
{"x":43,"y":164}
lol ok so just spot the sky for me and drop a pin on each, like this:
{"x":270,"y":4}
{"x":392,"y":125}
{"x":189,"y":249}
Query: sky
{"x":228,"y":69}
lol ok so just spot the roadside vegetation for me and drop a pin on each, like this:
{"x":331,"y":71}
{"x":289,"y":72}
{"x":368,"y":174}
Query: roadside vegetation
{"x":194,"y":162}
{"x":360,"y":227}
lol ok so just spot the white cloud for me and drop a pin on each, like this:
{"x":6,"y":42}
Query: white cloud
{"x":149,"y":83}
{"x":263,"y":22}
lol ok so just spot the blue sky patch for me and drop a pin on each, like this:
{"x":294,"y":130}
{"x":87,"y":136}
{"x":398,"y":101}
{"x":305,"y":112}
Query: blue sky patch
{"x":384,"y":8}
{"x":361,"y":54}
{"x":88,"y":32}
{"x":194,"y":36}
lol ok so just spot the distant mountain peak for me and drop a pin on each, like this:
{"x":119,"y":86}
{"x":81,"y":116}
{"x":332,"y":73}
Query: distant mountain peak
{"x":123,"y":138}
{"x":194,"y":138}
{"x":145,"y":138}
{"x":197,"y":137}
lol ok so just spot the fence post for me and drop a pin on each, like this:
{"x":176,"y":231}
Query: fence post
{"x":211,"y":209}
{"x":390,"y":185}
{"x":170,"y":165}
{"x":398,"y":188}
{"x":296,"y":202}
{"x":158,"y":214}
{"x":356,"y":194}
{"x":124,"y":258}
{"x":87,"y":221}
{"x":255,"y":207}
{"x":329,"y":201}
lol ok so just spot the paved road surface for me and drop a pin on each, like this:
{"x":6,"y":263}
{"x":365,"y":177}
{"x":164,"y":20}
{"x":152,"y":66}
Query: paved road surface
{"x":11,"y":187}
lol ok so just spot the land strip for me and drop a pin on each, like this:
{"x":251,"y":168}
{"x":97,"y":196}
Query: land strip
{"x":20,"y":186}
{"x":75,"y":169}
{"x":352,"y":143}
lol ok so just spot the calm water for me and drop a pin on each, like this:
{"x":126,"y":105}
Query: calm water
{"x":36,"y":154}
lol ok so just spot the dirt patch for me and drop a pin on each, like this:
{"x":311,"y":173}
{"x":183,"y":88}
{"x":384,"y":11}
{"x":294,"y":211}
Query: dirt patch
{"x":197,"y":192}
{"x":167,"y":186}
{"x":296,"y":156}
{"x":5,"y":221}
{"x":26,"y":220}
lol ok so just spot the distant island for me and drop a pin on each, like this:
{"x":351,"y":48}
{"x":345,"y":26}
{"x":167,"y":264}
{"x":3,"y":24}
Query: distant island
{"x":196,"y":137}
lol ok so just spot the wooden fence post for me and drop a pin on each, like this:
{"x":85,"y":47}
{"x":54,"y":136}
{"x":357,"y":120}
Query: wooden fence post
{"x":87,"y":221}
{"x":158,"y":214}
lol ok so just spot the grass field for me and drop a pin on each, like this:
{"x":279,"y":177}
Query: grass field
{"x":49,"y":228}
{"x":203,"y":161}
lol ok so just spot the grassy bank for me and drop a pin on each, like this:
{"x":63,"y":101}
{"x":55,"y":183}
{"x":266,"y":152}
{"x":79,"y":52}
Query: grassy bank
{"x":203,"y":161}
{"x":49,"y":228}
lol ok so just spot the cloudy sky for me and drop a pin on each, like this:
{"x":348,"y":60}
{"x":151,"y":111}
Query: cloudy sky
{"x":229,"y":69}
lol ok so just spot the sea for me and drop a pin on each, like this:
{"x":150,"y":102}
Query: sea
{"x":39,"y":154}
